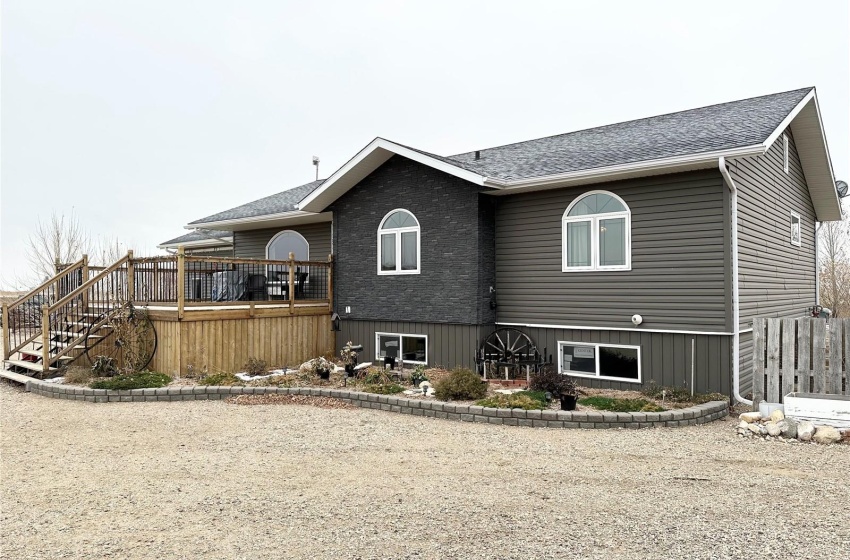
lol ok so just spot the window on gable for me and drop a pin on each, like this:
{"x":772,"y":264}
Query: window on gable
{"x":398,"y":244}
{"x":597,"y":234}
{"x":785,"y":152}
{"x":286,"y":242}
{"x":796,"y":234}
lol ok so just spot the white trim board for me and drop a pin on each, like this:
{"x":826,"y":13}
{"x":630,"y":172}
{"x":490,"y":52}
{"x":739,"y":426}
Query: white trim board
{"x":587,"y":328}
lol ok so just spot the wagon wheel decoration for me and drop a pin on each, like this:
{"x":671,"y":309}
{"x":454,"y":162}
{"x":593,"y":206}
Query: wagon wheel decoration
{"x":509,"y":348}
{"x":129,"y":338}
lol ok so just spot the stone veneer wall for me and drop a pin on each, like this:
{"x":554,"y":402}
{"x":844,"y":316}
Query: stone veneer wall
{"x":699,"y":414}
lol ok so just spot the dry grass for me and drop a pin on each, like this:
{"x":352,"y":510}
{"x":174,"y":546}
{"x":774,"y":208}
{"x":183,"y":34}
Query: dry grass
{"x":320,"y":402}
{"x":78,"y":375}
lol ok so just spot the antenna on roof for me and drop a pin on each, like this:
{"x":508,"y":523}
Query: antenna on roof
{"x":316,"y":163}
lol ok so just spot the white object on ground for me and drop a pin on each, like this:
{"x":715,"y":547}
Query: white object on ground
{"x":274,"y":373}
{"x":54,"y":380}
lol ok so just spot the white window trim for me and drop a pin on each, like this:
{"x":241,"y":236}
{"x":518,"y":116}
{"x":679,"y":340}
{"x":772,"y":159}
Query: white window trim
{"x":594,"y":235}
{"x":278,"y":234}
{"x":401,"y":336}
{"x":596,"y":345}
{"x":799,"y":242}
{"x":397,"y":232}
{"x":785,"y":165}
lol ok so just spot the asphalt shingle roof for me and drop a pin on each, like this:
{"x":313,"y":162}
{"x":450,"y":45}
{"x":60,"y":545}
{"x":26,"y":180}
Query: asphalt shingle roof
{"x":286,"y":201}
{"x":199,"y":236}
{"x":717,"y":127}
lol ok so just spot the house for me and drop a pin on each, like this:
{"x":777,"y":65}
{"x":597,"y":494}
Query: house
{"x":202,"y":242}
{"x":615,"y":249}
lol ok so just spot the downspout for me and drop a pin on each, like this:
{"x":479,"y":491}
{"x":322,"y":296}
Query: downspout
{"x":736,"y":303}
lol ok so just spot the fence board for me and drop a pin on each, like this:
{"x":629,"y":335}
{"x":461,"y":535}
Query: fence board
{"x":758,"y":360}
{"x":804,"y":354}
{"x":773,"y":350}
{"x":836,"y":339}
{"x":819,"y":356}
{"x":847,"y":356}
{"x":789,"y":339}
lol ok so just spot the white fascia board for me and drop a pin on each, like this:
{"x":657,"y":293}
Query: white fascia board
{"x":224,"y":242}
{"x":228,"y":224}
{"x":355,"y":166}
{"x":787,"y":120}
{"x":705,"y":159}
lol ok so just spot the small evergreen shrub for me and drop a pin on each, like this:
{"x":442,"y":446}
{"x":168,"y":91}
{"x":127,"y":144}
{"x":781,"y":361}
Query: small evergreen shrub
{"x":219,"y":379}
{"x":516,"y":400}
{"x":620,"y":405}
{"x":141,"y":380}
{"x":384,"y":389}
{"x":461,"y":385}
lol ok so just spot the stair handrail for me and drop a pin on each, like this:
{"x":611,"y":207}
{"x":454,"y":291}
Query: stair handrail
{"x":59,"y":275}
{"x":89,"y":283}
{"x":27,"y":331}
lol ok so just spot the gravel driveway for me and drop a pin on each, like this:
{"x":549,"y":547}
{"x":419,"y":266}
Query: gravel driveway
{"x":215,"y":480}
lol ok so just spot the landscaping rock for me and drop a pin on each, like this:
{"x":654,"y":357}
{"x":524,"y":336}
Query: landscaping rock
{"x":826,"y":435}
{"x":750,"y":417}
{"x":805,"y":431}
{"x":777,"y":415}
{"x":755,"y":428}
{"x":317,"y":363}
{"x":789,"y":428}
{"x":742,"y":425}
{"x":773,"y":428}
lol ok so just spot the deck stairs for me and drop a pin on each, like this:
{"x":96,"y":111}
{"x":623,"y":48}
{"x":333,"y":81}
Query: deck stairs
{"x":63,"y":319}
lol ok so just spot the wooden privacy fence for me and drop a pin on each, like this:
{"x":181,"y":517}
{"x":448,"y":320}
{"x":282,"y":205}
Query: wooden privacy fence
{"x":806,"y":355}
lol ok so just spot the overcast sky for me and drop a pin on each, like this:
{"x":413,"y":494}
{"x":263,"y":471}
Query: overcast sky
{"x":142,"y":116}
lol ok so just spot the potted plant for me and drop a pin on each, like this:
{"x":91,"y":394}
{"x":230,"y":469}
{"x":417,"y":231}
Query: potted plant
{"x":557,"y":384}
{"x":418,"y":375}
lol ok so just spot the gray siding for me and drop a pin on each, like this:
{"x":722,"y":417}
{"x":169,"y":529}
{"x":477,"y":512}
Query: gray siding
{"x":456,"y":248}
{"x":252,"y":244}
{"x":449,"y":345}
{"x":665,"y":357}
{"x":678,"y":257}
{"x":776,"y":278}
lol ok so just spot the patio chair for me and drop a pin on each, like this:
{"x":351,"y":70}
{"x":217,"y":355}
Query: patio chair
{"x":257,"y":287}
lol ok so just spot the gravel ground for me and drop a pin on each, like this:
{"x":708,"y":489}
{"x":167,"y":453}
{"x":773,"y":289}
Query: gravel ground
{"x":217,"y":480}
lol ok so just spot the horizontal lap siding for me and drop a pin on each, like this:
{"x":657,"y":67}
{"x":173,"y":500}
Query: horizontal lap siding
{"x":449,"y":345}
{"x":665,"y":357}
{"x":776,"y":278}
{"x":251,"y":244}
{"x":678,"y":251}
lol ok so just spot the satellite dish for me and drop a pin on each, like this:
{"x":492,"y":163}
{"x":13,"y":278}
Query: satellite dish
{"x":841,"y":187}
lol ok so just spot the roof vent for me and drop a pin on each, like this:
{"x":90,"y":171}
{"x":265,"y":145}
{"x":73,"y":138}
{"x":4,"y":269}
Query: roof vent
{"x":840,"y":186}
{"x":477,"y":154}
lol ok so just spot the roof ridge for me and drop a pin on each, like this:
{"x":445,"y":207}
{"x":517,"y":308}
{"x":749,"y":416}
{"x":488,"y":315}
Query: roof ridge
{"x":807,"y":89}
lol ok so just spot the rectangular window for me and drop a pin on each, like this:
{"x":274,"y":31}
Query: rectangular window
{"x":388,"y":251}
{"x":603,"y":361}
{"x":578,"y":244}
{"x":412,"y":348}
{"x":796,"y":234}
{"x":785,"y":152}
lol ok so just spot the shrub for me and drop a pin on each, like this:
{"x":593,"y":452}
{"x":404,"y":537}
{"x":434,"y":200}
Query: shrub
{"x":104,"y":366}
{"x":220,"y":379}
{"x":621,"y":405}
{"x":384,"y":389}
{"x":548,"y":380}
{"x":521,"y":400}
{"x":141,"y":380}
{"x":256,"y":366}
{"x":461,"y":384}
{"x":77,"y":375}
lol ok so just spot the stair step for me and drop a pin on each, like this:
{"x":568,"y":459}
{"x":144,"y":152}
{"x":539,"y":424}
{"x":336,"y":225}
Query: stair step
{"x":27,"y":365}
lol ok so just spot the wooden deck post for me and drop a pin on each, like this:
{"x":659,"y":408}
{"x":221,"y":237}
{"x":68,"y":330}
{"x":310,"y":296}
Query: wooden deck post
{"x":7,"y":340}
{"x":45,"y":338}
{"x":85,"y":272}
{"x":330,"y":283}
{"x":291,"y":282}
{"x":131,"y":277}
{"x":181,"y":281}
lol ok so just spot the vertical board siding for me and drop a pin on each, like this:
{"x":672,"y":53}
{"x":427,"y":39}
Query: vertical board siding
{"x":776,"y":278}
{"x":226,"y":345}
{"x":251,"y":244}
{"x":677,"y":280}
{"x":665,"y":357}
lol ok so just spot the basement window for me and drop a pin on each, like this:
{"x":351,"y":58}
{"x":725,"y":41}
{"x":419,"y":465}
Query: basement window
{"x":785,"y":152}
{"x":612,"y":362}
{"x":796,"y":235}
{"x":412,"y":348}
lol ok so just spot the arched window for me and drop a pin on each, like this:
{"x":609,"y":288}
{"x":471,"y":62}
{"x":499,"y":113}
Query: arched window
{"x":597,"y":233}
{"x":398,"y":243}
{"x":286,"y":242}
